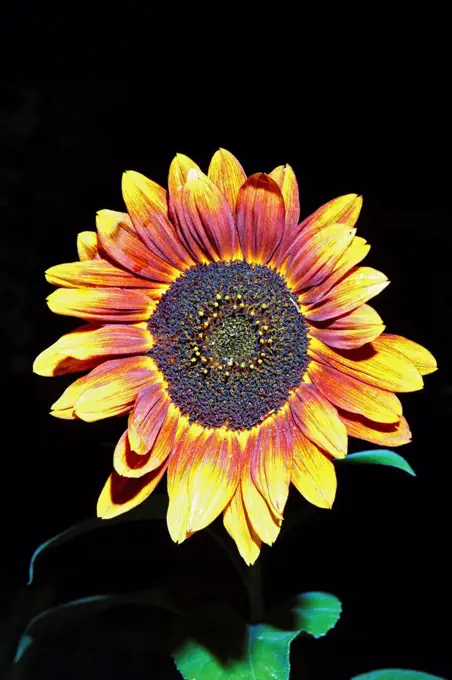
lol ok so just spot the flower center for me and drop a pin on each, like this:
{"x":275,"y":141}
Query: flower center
{"x":230,"y":342}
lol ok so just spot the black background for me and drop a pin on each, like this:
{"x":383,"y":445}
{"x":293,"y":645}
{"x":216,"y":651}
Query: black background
{"x":354,"y":104}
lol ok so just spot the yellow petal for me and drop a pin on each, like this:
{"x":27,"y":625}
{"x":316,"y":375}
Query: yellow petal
{"x":239,"y":528}
{"x":313,"y":473}
{"x":424,"y":360}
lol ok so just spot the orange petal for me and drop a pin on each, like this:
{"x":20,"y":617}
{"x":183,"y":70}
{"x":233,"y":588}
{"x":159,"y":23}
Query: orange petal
{"x":318,"y":420}
{"x":88,"y":345}
{"x":260,"y":218}
{"x":355,"y":253}
{"x":352,"y":330}
{"x":109,"y":390}
{"x":239,"y":528}
{"x":353,"y":395}
{"x":178,"y":173}
{"x":424,"y":360}
{"x":147,"y":204}
{"x":148,"y":418}
{"x":121,"y":243}
{"x":361,"y":284}
{"x":226,"y":172}
{"x":313,"y":258}
{"x":374,"y":363}
{"x":210,"y":226}
{"x":285,"y":178}
{"x":87,"y":245}
{"x":120,"y":495}
{"x":271,"y":458}
{"x":103,"y":305}
{"x":262,"y":520}
{"x":383,"y":434}
{"x":94,"y":273}
{"x":313,"y":473}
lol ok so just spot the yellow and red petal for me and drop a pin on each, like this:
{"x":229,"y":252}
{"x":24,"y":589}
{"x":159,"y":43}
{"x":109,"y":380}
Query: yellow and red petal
{"x":90,"y":344}
{"x":383,"y":434}
{"x":177,"y":177}
{"x":342,"y":210}
{"x":424,"y":360}
{"x":210,"y":225}
{"x":260,"y":218}
{"x":51,"y":363}
{"x":87,"y":246}
{"x":355,"y":253}
{"x":312,"y":473}
{"x":313,"y":258}
{"x":352,"y":330}
{"x":147,"y":205}
{"x":211,"y":467}
{"x":318,"y":419}
{"x":129,"y":463}
{"x":153,"y":421}
{"x":374,"y":363}
{"x":263,"y":521}
{"x":109,"y":390}
{"x":270,"y":462}
{"x":361,"y":284}
{"x":123,"y":246}
{"x":351,"y":394}
{"x":227,"y":174}
{"x":102,"y":305}
{"x":99,"y":273}
{"x":285,"y":178}
{"x":238,"y":526}
{"x":120,"y":494}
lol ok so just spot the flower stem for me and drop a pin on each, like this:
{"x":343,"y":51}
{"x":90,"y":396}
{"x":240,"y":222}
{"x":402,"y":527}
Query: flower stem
{"x":251,"y":577}
{"x":254,"y":589}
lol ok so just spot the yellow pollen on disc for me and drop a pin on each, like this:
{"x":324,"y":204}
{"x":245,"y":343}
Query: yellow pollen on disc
{"x":227,"y":373}
{"x":242,"y":365}
{"x":265,"y":328}
{"x":239,"y":297}
{"x":193,"y":359}
{"x":264,"y":306}
{"x":226,"y":297}
{"x":218,"y":296}
{"x":259,"y":361}
{"x":215,"y":304}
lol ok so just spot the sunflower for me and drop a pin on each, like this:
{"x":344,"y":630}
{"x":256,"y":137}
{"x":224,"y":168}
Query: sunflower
{"x":238,"y":340}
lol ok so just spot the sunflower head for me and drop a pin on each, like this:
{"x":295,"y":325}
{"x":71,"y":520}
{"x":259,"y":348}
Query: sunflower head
{"x":237,"y":338}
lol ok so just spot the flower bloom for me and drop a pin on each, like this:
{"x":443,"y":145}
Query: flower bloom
{"x":238,"y":340}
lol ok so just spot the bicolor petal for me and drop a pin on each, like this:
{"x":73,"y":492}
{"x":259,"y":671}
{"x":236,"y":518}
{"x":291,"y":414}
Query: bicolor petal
{"x":260,"y":218}
{"x":104,"y":305}
{"x":227,"y":174}
{"x":317,"y":418}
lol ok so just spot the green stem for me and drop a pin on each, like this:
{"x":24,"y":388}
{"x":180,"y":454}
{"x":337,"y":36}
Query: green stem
{"x":251,"y":577}
{"x":254,"y":588}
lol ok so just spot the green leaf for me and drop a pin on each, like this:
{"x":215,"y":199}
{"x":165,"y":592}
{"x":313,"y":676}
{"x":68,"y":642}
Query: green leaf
{"x":72,"y":612}
{"x":396,"y":674}
{"x":380,"y":457}
{"x":312,"y":613}
{"x":154,"y":508}
{"x":213,"y":643}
